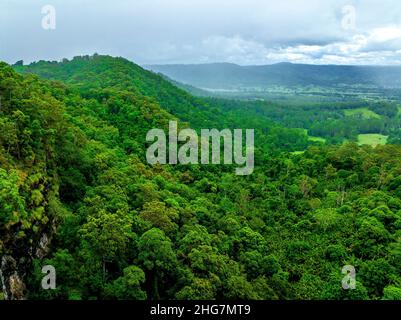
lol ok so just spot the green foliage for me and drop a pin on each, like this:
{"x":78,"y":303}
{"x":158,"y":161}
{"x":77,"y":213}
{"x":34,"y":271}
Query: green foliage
{"x":12,"y":206}
{"x":73,"y":168}
{"x":127,"y":287}
{"x":392,"y":293}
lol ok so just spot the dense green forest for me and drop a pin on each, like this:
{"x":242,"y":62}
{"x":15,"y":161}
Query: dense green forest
{"x":335,"y":122}
{"x":76,"y":193}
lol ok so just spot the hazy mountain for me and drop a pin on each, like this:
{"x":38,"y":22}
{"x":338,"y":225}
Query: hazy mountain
{"x":231,"y":76}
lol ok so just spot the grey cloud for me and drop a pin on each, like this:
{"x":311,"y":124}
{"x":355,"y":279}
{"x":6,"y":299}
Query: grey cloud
{"x":195,"y":31}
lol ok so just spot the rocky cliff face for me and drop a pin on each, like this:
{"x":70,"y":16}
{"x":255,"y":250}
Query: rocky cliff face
{"x":15,"y":265}
{"x":11,"y":275}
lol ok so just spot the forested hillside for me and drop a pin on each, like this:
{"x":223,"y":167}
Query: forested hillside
{"x":76,"y":193}
{"x":89,"y":74}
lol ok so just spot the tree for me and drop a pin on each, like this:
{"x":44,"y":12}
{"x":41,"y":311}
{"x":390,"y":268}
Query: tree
{"x":159,"y":216}
{"x":107,"y":234}
{"x":392,"y":293}
{"x":333,"y":290}
{"x":128,"y":286}
{"x":376,"y":275}
{"x":372,"y":236}
{"x":12,"y":205}
{"x":157,"y":257}
{"x":199,"y":289}
{"x":19,"y":63}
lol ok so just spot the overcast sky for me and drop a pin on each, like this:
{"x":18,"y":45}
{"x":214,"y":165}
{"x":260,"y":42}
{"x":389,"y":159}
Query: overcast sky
{"x":199,"y":31}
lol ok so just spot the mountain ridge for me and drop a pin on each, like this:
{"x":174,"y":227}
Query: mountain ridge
{"x":233,"y":76}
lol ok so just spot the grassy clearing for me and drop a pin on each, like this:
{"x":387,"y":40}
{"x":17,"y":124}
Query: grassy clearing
{"x":297,"y":152}
{"x":365,"y":112}
{"x":317,"y":139}
{"x":372,"y":139}
{"x":312,"y":138}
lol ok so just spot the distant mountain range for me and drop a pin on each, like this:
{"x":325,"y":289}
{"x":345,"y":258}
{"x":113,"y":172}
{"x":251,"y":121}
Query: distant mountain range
{"x":228,"y":76}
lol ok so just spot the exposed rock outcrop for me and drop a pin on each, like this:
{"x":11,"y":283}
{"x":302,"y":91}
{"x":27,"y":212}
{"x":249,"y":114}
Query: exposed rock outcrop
{"x":12,"y":283}
{"x":13,"y":270}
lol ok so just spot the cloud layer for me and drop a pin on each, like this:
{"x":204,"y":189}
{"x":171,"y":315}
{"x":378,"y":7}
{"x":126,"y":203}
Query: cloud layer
{"x":195,"y":31}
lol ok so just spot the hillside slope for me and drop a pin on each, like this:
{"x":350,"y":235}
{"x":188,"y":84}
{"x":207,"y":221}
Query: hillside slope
{"x":104,"y":72}
{"x":89,"y":74}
